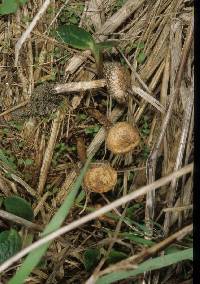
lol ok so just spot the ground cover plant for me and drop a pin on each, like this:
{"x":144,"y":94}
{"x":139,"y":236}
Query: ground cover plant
{"x":96,"y":141}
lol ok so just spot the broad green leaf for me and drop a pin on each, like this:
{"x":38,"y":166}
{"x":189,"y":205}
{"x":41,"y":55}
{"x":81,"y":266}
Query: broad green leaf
{"x":35,"y":256}
{"x":76,"y":37}
{"x":106,"y":44}
{"x":10,"y":244}
{"x":10,"y":6}
{"x":91,"y":258}
{"x":115,"y":256}
{"x":149,"y":265}
{"x":19,"y":206}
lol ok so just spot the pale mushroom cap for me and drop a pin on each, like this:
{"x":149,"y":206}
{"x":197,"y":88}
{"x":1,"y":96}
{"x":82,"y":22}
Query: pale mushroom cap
{"x":101,"y":177}
{"x":118,"y":80}
{"x":122,"y":138}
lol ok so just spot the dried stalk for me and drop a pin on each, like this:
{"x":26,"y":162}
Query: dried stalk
{"x":49,"y":151}
{"x":79,"y":86}
{"x":148,"y":98}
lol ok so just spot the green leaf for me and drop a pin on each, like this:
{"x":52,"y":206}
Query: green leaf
{"x":149,"y":265}
{"x":10,"y":244}
{"x":35,"y":256}
{"x":76,"y":37}
{"x":80,"y":197}
{"x":115,"y":256}
{"x":106,"y":44}
{"x":19,"y":206}
{"x":28,"y":162}
{"x":92,"y":129}
{"x":141,"y":57}
{"x":10,"y":6}
{"x":91,"y":258}
{"x":136,"y":239}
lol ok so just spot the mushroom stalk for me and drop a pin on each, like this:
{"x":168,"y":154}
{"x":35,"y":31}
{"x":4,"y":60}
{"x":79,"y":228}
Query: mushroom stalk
{"x":79,"y":86}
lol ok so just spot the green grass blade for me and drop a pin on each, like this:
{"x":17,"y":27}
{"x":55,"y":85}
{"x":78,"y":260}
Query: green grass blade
{"x":34,"y":257}
{"x":151,"y":264}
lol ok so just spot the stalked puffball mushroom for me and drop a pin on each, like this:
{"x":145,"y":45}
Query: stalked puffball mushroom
{"x":101,"y":177}
{"x":122,"y":138}
{"x":118,"y":80}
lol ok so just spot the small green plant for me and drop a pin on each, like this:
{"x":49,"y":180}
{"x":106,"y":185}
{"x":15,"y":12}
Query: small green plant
{"x":81,"y":39}
{"x":81,"y":117}
{"x":60,"y":150}
{"x":90,"y":258}
{"x":145,"y":127}
{"x":115,"y":256}
{"x":118,"y":4}
{"x":141,"y":56}
{"x":10,"y":6}
{"x":19,"y":206}
{"x":72,"y":13}
{"x":92,"y":129}
{"x":25,"y":162}
{"x":9,"y":160}
{"x":10,"y":244}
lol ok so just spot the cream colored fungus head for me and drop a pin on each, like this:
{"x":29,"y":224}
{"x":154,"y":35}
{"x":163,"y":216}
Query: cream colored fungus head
{"x":122,"y":138}
{"x":101,"y":177}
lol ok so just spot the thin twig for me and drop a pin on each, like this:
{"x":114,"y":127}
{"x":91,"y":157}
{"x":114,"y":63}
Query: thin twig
{"x":76,"y":224}
{"x":16,"y":219}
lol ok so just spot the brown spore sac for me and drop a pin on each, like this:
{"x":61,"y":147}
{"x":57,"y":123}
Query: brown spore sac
{"x":101,"y":177}
{"x":118,"y":81}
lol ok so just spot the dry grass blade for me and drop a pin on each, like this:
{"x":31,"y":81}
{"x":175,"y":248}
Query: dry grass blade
{"x":26,"y":34}
{"x":151,"y":164}
{"x":148,"y":98}
{"x":49,"y":151}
